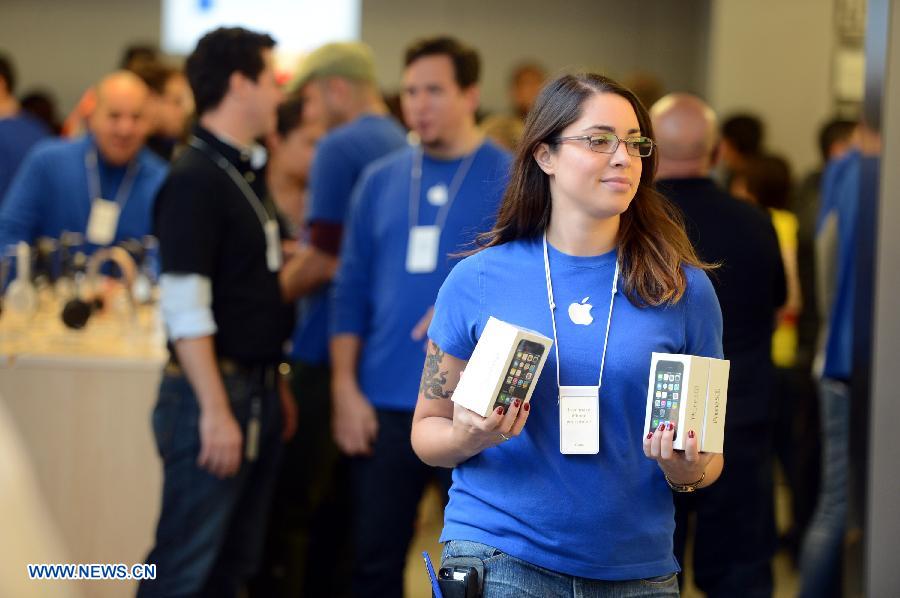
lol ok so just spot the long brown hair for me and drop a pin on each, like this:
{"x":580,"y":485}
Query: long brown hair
{"x":653,"y":246}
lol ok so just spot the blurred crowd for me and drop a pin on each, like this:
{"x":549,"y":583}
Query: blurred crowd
{"x":275,"y":198}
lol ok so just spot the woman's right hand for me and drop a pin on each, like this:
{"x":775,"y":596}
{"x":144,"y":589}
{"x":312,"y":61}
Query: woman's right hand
{"x":474,"y":433}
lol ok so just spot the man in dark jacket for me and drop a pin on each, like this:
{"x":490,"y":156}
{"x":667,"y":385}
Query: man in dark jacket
{"x":735,"y":530}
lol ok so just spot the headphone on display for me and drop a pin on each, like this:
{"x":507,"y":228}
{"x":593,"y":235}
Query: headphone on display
{"x":77,"y":311}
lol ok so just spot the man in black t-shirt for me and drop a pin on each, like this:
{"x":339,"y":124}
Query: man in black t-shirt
{"x":217,"y":423}
{"x":735,"y":525}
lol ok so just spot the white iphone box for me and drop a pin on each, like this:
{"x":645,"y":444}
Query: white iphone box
{"x":505,"y":366}
{"x":689,"y":392}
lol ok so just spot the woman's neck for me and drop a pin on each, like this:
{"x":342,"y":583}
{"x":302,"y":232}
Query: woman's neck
{"x":579,"y":236}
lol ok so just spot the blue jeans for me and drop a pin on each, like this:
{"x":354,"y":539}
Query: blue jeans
{"x":509,"y":577}
{"x":210,"y":531}
{"x":822,"y":553}
{"x":387,"y":488}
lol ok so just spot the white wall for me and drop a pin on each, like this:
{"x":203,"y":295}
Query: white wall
{"x":773,"y":58}
{"x":65,"y":45}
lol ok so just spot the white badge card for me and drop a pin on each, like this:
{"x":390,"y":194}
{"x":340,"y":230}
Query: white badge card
{"x":422,"y":249}
{"x":103,"y":222}
{"x":579,"y":420}
{"x":273,"y":245}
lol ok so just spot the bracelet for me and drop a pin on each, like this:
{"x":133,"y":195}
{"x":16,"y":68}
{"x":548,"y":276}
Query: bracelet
{"x":684,"y":487}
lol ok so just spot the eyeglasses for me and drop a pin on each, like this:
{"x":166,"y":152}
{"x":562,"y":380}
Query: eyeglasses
{"x":608,"y":143}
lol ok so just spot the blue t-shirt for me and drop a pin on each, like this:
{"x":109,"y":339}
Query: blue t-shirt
{"x":840,"y":197}
{"x":17,"y":135}
{"x":340,"y":158}
{"x":374,"y":296}
{"x":605,"y":516}
{"x":49,"y":194}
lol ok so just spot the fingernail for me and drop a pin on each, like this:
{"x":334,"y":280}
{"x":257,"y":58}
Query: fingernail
{"x":662,"y":426}
{"x":499,"y":410}
{"x":516,"y":403}
{"x":691,"y":434}
{"x":649,"y":435}
{"x":527,"y":406}
{"x":670,"y":427}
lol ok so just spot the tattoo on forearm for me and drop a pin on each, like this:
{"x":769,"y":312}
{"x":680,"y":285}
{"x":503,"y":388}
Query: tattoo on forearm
{"x":433,"y":379}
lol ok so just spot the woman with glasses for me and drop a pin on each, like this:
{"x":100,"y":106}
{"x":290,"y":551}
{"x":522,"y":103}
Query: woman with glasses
{"x":585,"y":252}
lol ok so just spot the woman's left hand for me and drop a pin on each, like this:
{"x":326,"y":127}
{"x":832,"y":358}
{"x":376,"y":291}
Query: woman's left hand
{"x":682,"y":467}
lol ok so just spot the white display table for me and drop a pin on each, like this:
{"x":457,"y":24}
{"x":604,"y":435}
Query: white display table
{"x":82,"y":402}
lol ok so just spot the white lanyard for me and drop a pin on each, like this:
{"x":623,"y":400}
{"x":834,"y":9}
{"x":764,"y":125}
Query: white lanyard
{"x":615,"y":286}
{"x":268,"y":223}
{"x":95,"y":190}
{"x":415,"y":188}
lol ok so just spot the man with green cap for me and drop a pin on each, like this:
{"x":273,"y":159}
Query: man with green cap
{"x":308,"y":552}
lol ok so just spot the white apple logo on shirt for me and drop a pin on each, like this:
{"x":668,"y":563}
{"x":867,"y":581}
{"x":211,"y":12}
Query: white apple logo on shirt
{"x":580,"y":313}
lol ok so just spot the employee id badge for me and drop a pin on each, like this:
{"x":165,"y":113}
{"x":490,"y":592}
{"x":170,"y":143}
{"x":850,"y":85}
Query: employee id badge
{"x":422,"y":249}
{"x":103,"y":221}
{"x":273,"y":245}
{"x":579,"y":420}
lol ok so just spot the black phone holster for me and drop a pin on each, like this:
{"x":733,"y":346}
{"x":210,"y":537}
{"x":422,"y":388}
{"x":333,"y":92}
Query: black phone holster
{"x":461,"y":577}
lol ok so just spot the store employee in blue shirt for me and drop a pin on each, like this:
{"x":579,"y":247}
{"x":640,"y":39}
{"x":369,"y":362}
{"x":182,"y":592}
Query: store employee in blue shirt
{"x":412,"y":211}
{"x":103,"y":184}
{"x":580,"y":224}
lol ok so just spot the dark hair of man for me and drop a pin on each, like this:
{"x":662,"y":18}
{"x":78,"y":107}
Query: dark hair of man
{"x":220,"y":53}
{"x":768,"y":179}
{"x":466,"y":63}
{"x":154,"y":74}
{"x":137,"y":53}
{"x":834,"y":131}
{"x":290,"y":115}
{"x":653,"y":246}
{"x":745,"y":133}
{"x":7,"y":73}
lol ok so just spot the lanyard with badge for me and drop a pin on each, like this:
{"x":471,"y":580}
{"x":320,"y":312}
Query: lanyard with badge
{"x":424,"y":241}
{"x":268,"y":223}
{"x":579,"y":406}
{"x":104,"y":217}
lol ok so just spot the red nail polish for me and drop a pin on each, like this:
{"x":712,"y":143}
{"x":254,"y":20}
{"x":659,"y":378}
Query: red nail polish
{"x":516,"y":403}
{"x":691,"y":434}
{"x":661,"y":427}
{"x":649,"y":435}
{"x":527,"y":406}
{"x":499,"y":410}
{"x":670,"y":427}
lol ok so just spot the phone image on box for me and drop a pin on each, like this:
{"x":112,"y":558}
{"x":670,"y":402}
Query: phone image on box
{"x":520,"y":374}
{"x":667,"y":392}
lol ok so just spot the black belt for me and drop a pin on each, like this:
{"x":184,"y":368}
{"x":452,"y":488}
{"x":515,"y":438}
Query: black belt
{"x":265,"y":374}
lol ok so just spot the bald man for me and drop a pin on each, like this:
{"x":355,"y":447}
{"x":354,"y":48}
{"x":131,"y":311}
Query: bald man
{"x":102,"y":185}
{"x":735,"y":529}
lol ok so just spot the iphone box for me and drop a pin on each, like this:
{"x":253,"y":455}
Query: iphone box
{"x":505,"y":366}
{"x":690,"y":392}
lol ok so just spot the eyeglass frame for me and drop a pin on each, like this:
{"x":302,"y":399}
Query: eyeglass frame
{"x":618,"y":139}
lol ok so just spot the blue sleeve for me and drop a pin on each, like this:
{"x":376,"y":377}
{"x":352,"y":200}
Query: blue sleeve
{"x":21,"y":208}
{"x":702,"y":317}
{"x":330,"y":184}
{"x":350,"y":295}
{"x":458,"y":309}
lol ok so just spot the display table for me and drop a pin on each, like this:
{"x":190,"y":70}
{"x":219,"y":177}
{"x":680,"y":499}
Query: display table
{"x":82,"y":402}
